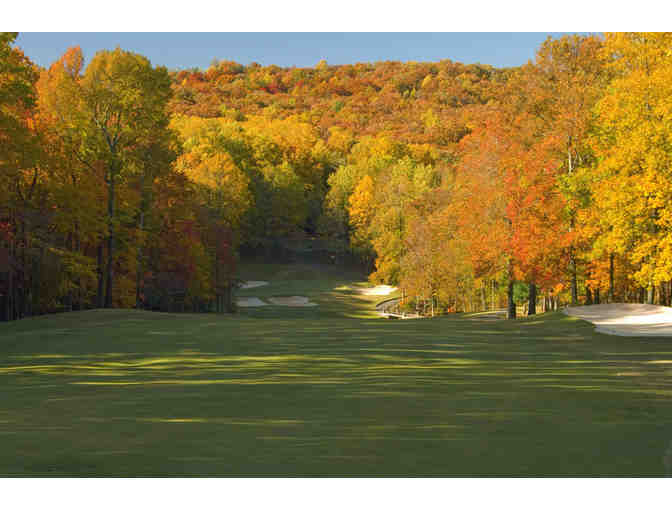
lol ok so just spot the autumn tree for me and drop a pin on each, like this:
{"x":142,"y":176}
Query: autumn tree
{"x":379,"y":211}
{"x":222,"y":192}
{"x":632,"y":188}
{"x":20,"y":191}
{"x":105,"y":111}
{"x":570,"y":78}
{"x":479,"y":202}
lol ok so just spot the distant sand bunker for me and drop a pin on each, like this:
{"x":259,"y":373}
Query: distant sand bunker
{"x":253,"y":284}
{"x":291,"y":301}
{"x":629,"y":319}
{"x":250,"y":301}
{"x":379,"y":290}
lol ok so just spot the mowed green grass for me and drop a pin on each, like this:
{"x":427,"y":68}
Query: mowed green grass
{"x":318,"y":391}
{"x":335,"y":291}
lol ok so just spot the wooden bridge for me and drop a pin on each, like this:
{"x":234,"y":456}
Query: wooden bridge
{"x":384,"y":306}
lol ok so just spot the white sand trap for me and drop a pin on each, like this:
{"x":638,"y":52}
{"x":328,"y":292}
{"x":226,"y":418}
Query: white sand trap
{"x":378,"y":290}
{"x":253,"y":284}
{"x":292,"y":301}
{"x":250,"y":301}
{"x":629,"y":319}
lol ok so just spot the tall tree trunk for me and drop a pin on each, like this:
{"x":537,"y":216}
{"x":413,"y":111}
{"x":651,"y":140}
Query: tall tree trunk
{"x":219,"y":300}
{"x":589,"y":294}
{"x":109,"y":276}
{"x":100,"y":298}
{"x":25,"y":279}
{"x":532,"y":305}
{"x":494,"y":304}
{"x":650,"y":294}
{"x":139,"y":261}
{"x":78,"y":249}
{"x":574,"y":286}
{"x":70,"y":297}
{"x":145,"y":200}
{"x":511,"y":305}
{"x":572,"y":258}
{"x":610,"y":296}
{"x":10,"y":283}
{"x":662,"y":298}
{"x":597,"y":295}
{"x":33,"y":305}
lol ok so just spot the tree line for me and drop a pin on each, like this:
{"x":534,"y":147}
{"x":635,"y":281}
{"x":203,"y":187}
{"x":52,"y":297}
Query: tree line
{"x":124,"y":184}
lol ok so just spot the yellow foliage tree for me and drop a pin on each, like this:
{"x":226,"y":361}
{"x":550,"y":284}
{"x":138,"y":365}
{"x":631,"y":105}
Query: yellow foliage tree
{"x":633,"y":186}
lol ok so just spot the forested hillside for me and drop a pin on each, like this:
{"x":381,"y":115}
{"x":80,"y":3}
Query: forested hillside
{"x":123,"y":184}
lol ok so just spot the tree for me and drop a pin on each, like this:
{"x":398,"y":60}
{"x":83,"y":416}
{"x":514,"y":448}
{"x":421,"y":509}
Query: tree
{"x":118,"y":103}
{"x":19,"y":175}
{"x":212,"y":163}
{"x":631,"y":190}
{"x":480,"y":201}
{"x":571,"y":76}
{"x":379,"y":210}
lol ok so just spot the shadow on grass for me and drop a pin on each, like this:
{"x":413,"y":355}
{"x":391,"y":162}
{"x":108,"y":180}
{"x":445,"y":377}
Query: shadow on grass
{"x":128,"y":393}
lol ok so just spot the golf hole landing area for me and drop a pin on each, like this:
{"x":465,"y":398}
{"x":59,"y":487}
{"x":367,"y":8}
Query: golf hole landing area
{"x":626,"y":319}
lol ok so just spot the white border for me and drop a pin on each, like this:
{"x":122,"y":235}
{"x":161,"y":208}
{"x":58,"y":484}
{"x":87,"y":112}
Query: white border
{"x":333,"y":494}
{"x":337,"y":16}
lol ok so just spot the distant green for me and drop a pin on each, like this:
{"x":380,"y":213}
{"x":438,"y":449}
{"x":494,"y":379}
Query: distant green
{"x":325,"y":391}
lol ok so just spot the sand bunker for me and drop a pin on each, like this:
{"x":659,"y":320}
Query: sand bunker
{"x":626,"y":319}
{"x":252,"y":284}
{"x":378,"y":290}
{"x":245,"y":302}
{"x":250,"y":301}
{"x":292,"y":301}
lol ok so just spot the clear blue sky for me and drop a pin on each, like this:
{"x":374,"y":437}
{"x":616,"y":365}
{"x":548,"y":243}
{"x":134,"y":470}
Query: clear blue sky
{"x":184,"y":50}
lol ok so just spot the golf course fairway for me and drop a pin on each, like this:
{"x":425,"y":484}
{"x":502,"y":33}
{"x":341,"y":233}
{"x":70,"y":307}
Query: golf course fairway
{"x":329,"y":390}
